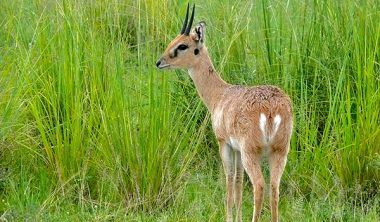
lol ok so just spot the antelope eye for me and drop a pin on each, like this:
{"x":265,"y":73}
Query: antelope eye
{"x":182,"y":47}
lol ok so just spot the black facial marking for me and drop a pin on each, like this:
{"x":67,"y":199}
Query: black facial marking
{"x":199,"y":34}
{"x":182,"y":47}
{"x":196,"y":51}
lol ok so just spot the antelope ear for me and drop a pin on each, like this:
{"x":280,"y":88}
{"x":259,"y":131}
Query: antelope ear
{"x":198,"y":33}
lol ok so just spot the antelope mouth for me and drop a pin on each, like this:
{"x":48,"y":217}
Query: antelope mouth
{"x":160,"y":64}
{"x":163,"y":66}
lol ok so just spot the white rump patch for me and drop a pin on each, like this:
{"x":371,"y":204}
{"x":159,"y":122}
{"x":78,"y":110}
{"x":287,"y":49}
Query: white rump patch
{"x":276,"y":124}
{"x":263,"y":123}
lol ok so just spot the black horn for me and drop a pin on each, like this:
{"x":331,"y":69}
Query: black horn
{"x":187,"y":32}
{"x":185,"y":22}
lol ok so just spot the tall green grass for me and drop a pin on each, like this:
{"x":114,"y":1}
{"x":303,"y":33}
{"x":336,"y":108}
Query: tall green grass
{"x":88,"y":123}
{"x":97,"y":123}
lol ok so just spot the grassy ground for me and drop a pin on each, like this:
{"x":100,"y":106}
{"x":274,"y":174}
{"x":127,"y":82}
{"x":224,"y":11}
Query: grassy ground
{"x":91,"y":131}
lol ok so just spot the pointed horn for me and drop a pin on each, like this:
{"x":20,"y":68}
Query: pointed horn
{"x":185,"y":22}
{"x":187,"y":32}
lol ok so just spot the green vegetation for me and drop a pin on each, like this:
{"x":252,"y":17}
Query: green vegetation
{"x":91,"y":131}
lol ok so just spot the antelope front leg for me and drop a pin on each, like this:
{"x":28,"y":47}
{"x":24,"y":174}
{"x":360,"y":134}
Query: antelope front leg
{"x":239,"y":176}
{"x":227,"y":155}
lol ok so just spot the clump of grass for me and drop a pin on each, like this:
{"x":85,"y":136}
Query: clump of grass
{"x":327,"y":60}
{"x":100,"y":127}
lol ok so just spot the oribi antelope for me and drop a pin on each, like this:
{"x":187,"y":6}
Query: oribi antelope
{"x":247,"y":120}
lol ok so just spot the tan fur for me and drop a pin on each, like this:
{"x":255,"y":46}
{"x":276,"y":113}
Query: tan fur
{"x":236,"y":112}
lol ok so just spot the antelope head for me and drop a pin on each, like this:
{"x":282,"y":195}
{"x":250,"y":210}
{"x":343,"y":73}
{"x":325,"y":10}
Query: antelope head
{"x":186,"y":49}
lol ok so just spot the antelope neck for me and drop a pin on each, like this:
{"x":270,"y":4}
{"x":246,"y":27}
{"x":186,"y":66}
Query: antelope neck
{"x":207,"y":81}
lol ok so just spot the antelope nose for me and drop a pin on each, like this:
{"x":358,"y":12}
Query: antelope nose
{"x":158,"y":63}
